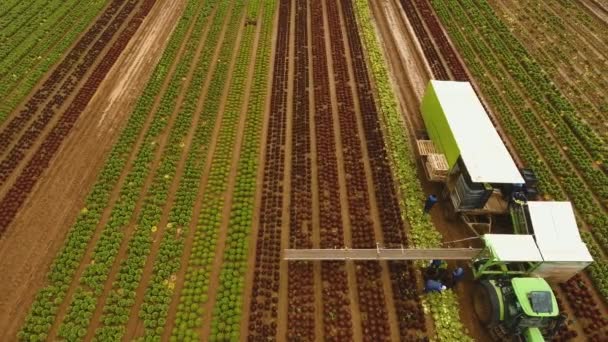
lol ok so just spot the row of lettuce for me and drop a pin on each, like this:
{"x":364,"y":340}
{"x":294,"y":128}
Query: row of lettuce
{"x":547,"y":116}
{"x":572,"y":61}
{"x":195,"y":121}
{"x":444,"y":306}
{"x":90,"y":285}
{"x":34,"y":36}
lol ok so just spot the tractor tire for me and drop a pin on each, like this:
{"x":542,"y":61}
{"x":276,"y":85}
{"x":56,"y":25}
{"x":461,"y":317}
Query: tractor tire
{"x":486,"y":304}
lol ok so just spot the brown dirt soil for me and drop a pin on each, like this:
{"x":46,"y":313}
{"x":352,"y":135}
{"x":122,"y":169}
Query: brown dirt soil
{"x":53,"y":205}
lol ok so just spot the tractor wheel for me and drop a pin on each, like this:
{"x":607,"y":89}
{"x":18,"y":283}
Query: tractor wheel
{"x":486,"y":304}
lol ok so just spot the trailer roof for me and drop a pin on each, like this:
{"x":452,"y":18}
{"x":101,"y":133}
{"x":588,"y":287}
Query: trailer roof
{"x":513,"y":248}
{"x":483,"y":152}
{"x":556,"y":232}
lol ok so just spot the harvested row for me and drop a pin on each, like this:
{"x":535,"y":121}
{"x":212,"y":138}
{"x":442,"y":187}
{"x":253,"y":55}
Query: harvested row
{"x":22,"y":186}
{"x":66,"y":262}
{"x":35,"y":48}
{"x":265,"y":286}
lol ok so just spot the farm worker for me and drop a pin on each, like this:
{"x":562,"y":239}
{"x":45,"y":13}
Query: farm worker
{"x":435,"y":263}
{"x":430,"y":202}
{"x":434,"y":286}
{"x":457,"y":275}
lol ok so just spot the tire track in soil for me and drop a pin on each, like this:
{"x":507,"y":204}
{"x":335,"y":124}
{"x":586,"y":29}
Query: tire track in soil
{"x":118,"y":75}
{"x":61,"y":176}
{"x":260,"y":175}
{"x":27,"y":130}
{"x":19,"y":192}
{"x":130,"y":229}
{"x":266,"y":281}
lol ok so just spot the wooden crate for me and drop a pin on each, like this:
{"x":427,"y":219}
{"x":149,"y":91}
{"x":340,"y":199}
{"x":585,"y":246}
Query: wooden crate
{"x":436,"y":167}
{"x":426,"y":147}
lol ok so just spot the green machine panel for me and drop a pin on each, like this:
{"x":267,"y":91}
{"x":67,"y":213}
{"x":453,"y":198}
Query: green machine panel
{"x":437,"y":125}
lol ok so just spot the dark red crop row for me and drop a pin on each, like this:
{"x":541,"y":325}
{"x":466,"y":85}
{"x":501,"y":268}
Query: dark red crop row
{"x":445,"y":48}
{"x":18,"y":122}
{"x":59,"y":96}
{"x":432,"y":57}
{"x":301,"y":315}
{"x":264,"y":298}
{"x":17,"y":194}
{"x":372,"y":301}
{"x":405,"y":292}
{"x":337,"y":319}
{"x":585,"y":309}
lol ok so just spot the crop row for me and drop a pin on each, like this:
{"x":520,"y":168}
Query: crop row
{"x":64,"y":266}
{"x":372,"y":303}
{"x":194,"y":294}
{"x":50,"y":86}
{"x":572,"y":61}
{"x":585,"y":308}
{"x":300,"y":288}
{"x":95,"y":275}
{"x":162,"y":287}
{"x":229,"y":299}
{"x":337,"y":320}
{"x":19,"y":191}
{"x":422,"y":232}
{"x":264,"y":295}
{"x":151,"y":222}
{"x":573,"y":185}
{"x":407,"y":302}
{"x":566,"y":126}
{"x":60,"y":84}
{"x":30,"y":57}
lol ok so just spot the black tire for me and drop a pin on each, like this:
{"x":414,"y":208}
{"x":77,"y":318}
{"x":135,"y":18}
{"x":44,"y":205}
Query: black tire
{"x":486,"y":304}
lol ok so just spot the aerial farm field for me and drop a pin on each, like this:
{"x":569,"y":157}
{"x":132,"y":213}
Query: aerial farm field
{"x":158,"y":158}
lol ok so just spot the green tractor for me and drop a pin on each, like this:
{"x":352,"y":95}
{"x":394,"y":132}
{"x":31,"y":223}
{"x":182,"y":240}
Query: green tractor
{"x":512,"y":297}
{"x":517,"y":308}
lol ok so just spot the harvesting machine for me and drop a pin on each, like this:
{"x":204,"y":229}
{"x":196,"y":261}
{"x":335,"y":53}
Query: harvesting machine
{"x":513,"y":270}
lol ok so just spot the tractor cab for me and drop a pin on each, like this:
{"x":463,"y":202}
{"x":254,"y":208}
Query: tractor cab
{"x":525,"y":308}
